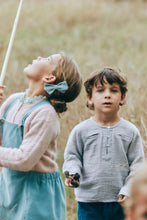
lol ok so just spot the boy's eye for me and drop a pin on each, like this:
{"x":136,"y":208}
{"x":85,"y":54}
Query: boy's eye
{"x":114,"y":90}
{"x":100,"y":90}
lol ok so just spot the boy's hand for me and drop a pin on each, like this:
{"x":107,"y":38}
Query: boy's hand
{"x":68,"y":182}
{"x":1,"y":93}
{"x":122,"y":199}
{"x":72,"y":180}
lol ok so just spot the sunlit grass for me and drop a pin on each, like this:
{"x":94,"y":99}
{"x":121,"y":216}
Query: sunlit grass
{"x":96,"y":34}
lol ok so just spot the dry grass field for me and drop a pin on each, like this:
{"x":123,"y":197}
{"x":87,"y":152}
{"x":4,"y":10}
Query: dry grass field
{"x":96,"y":33}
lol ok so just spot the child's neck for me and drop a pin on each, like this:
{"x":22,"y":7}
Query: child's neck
{"x":107,"y":120}
{"x":35,"y":90}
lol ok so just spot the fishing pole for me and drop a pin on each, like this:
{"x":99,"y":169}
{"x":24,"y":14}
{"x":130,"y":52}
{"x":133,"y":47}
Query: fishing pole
{"x":3,"y":73}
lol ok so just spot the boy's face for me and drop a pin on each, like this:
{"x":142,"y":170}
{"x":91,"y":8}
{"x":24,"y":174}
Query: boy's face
{"x":106,"y":98}
{"x":139,"y":212}
{"x":41,"y":66}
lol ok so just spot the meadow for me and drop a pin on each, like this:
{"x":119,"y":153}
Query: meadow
{"x":96,"y":33}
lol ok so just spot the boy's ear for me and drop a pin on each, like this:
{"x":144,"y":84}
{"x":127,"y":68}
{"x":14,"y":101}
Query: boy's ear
{"x":123,"y":99}
{"x":89,"y":99}
{"x":49,"y":79}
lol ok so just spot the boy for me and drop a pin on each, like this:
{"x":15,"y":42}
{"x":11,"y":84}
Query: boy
{"x":104,"y":150}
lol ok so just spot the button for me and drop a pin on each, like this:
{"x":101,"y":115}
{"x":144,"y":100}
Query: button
{"x":2,"y":121}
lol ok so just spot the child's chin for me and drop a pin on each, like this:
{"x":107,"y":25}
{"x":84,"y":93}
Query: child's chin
{"x":26,"y":69}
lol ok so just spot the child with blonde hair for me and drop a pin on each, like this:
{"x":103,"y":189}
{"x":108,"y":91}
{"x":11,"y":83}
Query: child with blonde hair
{"x":136,"y":204}
{"x":30,"y":184}
{"x":103,"y":152}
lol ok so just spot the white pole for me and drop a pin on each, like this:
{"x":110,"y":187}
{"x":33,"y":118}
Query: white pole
{"x":10,"y":44}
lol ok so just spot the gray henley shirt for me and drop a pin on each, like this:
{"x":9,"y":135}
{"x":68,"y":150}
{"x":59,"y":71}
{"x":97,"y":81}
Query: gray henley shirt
{"x":105,"y":157}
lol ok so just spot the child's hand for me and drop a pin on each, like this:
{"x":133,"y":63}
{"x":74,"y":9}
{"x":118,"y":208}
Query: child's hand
{"x":122,"y":199}
{"x":68,"y":182}
{"x":1,"y":93}
{"x":72,"y":180}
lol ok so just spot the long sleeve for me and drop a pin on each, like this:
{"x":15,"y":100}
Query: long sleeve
{"x":39,"y":146}
{"x":35,"y":142}
{"x":73,"y":154}
{"x":135,"y":158}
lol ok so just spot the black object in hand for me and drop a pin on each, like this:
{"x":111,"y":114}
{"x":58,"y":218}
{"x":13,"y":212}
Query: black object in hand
{"x":75,"y":177}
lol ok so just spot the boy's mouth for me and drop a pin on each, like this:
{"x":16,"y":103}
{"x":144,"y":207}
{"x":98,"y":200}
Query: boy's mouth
{"x":107,"y":103}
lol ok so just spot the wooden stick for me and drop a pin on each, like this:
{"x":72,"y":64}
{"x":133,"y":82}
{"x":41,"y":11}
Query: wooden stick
{"x":3,"y":73}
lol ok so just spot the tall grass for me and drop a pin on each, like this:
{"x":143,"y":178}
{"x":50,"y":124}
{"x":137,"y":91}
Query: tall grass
{"x":95,"y":33}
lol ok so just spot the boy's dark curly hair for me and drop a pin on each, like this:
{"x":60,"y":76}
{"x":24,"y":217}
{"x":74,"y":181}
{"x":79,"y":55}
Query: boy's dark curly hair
{"x":107,"y":74}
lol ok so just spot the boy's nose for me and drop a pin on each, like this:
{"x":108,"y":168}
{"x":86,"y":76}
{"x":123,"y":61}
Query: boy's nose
{"x":107,"y":94}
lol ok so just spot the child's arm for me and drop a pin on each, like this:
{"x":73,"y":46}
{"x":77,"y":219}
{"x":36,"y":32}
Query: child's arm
{"x":40,"y":132}
{"x":73,"y":154}
{"x":135,"y":156}
{"x":122,"y":199}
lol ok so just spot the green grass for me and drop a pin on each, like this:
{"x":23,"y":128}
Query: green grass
{"x":95,"y":33}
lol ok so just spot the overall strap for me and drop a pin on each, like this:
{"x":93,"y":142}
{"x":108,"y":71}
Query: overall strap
{"x":8,"y":107}
{"x":32,"y":108}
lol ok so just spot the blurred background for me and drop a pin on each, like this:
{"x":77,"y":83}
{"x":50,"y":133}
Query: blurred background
{"x":97,"y":34}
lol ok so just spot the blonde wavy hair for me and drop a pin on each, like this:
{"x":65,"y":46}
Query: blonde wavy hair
{"x":139,"y":184}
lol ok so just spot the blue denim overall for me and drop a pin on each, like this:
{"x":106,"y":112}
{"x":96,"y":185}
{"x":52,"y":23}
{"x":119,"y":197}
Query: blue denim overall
{"x":28,"y":195}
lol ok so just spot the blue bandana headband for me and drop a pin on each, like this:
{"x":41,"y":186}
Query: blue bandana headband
{"x":61,"y":87}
